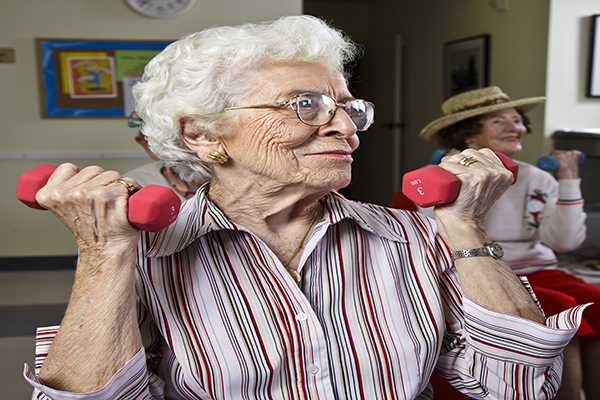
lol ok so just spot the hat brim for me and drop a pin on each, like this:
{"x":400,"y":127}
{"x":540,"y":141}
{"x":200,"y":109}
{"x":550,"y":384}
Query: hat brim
{"x":523,"y":105}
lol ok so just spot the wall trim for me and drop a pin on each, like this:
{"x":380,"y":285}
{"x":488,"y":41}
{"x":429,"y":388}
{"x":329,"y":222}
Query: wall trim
{"x":45,"y":263}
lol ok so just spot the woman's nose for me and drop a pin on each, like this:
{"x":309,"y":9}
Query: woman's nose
{"x":340,"y":124}
{"x":515,"y":125}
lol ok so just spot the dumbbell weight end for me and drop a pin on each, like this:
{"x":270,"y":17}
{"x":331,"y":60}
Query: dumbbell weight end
{"x":437,"y":156}
{"x":549,"y":163}
{"x":151,"y":208}
{"x":32,"y":181}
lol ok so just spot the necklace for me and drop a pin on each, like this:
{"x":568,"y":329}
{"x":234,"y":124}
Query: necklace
{"x":294,"y":274}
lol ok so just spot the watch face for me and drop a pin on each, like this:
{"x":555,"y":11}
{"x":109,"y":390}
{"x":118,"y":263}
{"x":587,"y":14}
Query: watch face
{"x":161,"y":8}
{"x":496,"y":249}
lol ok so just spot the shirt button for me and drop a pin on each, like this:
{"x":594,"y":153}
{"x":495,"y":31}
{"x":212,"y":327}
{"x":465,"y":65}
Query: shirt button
{"x":301,"y":317}
{"x":312,"y":369}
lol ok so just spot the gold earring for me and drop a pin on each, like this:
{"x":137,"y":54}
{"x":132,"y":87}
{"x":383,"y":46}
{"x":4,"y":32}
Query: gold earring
{"x":218,"y":157}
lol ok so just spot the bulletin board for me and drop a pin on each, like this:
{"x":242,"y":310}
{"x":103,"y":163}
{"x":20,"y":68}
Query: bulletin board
{"x":91,"y":78}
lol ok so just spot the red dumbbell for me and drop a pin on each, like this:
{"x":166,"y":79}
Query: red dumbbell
{"x":151,"y":208}
{"x":432,"y":186}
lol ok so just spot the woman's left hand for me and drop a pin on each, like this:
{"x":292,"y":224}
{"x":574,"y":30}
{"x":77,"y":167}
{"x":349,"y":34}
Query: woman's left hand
{"x":569,"y":163}
{"x":482,"y":183}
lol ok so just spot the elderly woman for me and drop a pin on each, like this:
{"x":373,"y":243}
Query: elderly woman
{"x":270,"y":284}
{"x":535,"y":217}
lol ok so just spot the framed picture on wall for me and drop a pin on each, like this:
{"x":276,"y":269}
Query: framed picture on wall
{"x":466,"y":64}
{"x":594,"y":68}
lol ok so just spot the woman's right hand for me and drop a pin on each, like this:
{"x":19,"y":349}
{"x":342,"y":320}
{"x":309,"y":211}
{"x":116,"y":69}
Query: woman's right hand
{"x":99,"y":333}
{"x":92,"y":204}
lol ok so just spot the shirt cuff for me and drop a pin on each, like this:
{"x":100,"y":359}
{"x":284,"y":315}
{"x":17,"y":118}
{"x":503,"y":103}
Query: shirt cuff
{"x":131,"y":379}
{"x":519,"y":340}
{"x":569,"y":189}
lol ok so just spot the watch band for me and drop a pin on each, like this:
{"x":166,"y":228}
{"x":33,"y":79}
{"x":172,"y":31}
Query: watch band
{"x":488,"y":250}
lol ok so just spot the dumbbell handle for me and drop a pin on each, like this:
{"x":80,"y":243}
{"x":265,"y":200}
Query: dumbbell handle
{"x":432,"y":186}
{"x":151,"y":208}
{"x":549,"y":163}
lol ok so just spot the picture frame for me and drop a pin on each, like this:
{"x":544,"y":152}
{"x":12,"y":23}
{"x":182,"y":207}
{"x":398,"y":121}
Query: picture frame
{"x":84,"y":78}
{"x":466,"y":64}
{"x":593,"y":87}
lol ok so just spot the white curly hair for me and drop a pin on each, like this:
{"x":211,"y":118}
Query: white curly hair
{"x":198,"y":76}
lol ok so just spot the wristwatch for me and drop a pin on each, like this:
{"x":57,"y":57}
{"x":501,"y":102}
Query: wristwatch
{"x":488,"y":250}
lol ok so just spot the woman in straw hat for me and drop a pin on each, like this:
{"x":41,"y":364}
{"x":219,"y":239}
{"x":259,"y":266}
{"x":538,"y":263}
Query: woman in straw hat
{"x":535,"y":217}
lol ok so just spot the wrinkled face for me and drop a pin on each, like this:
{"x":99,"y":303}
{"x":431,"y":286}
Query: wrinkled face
{"x":502,"y":131}
{"x":272,"y":146}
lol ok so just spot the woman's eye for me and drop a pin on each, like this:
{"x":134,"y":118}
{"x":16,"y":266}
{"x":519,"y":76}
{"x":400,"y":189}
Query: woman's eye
{"x":307,"y":103}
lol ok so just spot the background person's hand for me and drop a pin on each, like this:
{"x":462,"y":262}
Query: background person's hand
{"x":569,"y":163}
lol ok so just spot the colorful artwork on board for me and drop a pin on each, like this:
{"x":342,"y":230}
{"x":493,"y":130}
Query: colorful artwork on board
{"x":92,"y":77}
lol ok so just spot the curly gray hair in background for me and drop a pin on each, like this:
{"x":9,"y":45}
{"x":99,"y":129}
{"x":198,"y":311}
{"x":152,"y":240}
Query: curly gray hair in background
{"x":201,"y":74}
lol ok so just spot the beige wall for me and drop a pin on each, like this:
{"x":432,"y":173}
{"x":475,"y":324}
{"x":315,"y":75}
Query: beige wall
{"x":28,"y":232}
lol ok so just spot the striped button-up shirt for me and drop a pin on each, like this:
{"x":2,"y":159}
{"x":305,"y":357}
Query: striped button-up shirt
{"x":378,"y":307}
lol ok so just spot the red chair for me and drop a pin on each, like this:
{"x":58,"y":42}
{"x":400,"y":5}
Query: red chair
{"x":443,"y":390}
{"x":400,"y":201}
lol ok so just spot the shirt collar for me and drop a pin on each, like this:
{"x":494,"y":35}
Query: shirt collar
{"x":199,"y":216}
{"x":377,"y":219}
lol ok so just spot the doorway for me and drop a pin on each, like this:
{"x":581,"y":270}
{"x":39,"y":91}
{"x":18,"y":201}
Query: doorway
{"x":377,"y":167}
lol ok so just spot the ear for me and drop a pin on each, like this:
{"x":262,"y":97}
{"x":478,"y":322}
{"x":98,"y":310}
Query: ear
{"x":199,"y":142}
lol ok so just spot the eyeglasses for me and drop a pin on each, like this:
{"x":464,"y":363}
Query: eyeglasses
{"x":316,"y":109}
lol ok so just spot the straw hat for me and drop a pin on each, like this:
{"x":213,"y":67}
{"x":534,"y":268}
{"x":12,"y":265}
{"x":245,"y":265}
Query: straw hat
{"x":476,"y":102}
